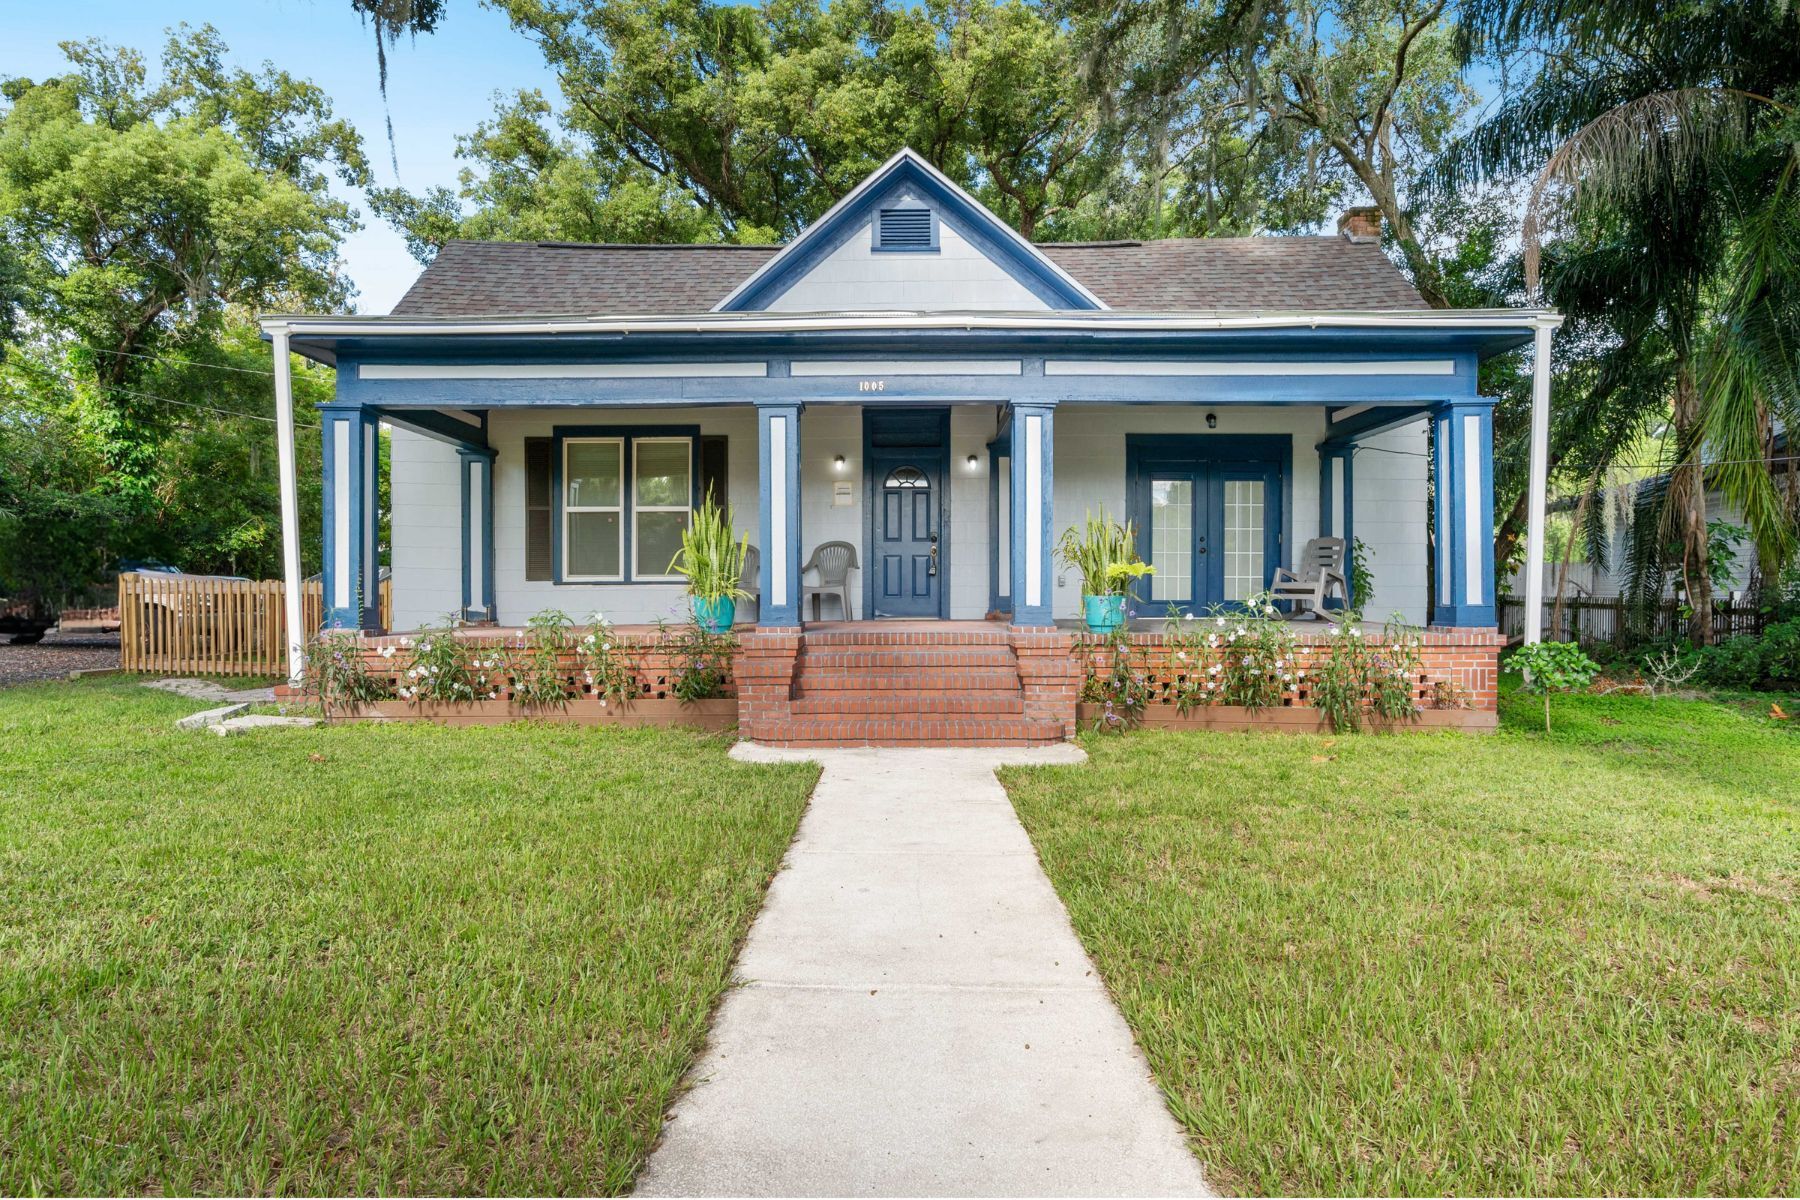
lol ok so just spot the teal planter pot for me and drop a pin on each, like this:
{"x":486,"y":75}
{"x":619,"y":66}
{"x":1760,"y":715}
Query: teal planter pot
{"x":1104,"y":613}
{"x":715,"y":616}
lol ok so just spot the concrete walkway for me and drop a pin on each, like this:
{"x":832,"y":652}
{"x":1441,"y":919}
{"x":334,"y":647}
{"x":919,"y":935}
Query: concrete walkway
{"x":916,"y":1016}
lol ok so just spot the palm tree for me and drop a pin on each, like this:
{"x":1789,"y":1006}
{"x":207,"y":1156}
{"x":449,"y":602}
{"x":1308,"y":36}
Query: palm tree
{"x":1663,"y":155}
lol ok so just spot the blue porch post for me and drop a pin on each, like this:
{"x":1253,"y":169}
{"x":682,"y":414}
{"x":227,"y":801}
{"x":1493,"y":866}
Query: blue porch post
{"x":1462,"y":466}
{"x":352,"y":568}
{"x":778,"y":473}
{"x":1337,"y":501}
{"x":476,"y":471}
{"x":1032,"y":513}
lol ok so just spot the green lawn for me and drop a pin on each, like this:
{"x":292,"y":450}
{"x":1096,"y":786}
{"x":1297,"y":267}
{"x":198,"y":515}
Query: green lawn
{"x":358,"y":959}
{"x":1453,"y":964}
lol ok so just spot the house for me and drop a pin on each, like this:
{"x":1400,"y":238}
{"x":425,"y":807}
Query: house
{"x":912,"y":377}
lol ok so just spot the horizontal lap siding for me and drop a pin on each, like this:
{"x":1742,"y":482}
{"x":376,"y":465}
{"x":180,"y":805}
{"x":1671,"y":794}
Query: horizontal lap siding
{"x":1390,"y":513}
{"x":426,"y":529}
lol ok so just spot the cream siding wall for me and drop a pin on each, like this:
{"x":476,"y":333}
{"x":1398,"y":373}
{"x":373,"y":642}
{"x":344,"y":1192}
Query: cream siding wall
{"x":1390,"y":509}
{"x":855,"y":276}
{"x":426,"y":529}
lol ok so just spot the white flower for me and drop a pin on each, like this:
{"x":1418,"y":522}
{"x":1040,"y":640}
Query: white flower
{"x":387,"y":652}
{"x":1221,"y":622}
{"x":1355,"y":632}
{"x":1300,"y":674}
{"x":406,"y":641}
{"x":608,"y":645}
{"x":1181,"y":655}
{"x":1213,"y":670}
{"x":493,"y":695}
{"x":1332,"y":631}
{"x":1241,"y":632}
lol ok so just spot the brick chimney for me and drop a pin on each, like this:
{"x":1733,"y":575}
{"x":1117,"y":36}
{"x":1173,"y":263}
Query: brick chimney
{"x":1360,"y":225}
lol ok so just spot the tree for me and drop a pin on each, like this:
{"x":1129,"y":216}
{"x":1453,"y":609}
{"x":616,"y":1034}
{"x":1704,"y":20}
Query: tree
{"x":144,"y":216}
{"x":1336,"y":96}
{"x":693,"y":120}
{"x":1664,"y":154}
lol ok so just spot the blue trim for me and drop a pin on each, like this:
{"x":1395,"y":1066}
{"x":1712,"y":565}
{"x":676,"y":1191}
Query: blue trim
{"x":998,"y":449}
{"x":978,"y":226}
{"x":768,"y":613}
{"x":1042,"y":614}
{"x":362,"y":557}
{"x":1455,"y":603}
{"x":1332,"y":459}
{"x":439,"y":426}
{"x":1211,"y":459}
{"x":628,"y":433}
{"x":941,"y":443}
{"x":1369,"y":424}
{"x":471,"y":611}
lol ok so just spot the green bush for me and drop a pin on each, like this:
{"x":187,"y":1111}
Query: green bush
{"x":1768,"y":662}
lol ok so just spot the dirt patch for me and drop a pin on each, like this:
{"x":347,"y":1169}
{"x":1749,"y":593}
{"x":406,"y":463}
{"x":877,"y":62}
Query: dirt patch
{"x":57,"y":655}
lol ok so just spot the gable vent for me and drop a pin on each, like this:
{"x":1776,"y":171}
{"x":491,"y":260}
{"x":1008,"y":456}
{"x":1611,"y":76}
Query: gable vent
{"x":905,"y":229}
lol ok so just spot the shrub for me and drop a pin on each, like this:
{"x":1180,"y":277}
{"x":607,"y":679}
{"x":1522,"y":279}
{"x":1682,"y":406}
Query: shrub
{"x":1770,"y":661}
{"x":603,"y":667}
{"x":701,"y":660}
{"x":335,"y":665}
{"x":1354,"y":673}
{"x":540,"y":679}
{"x":1553,"y":667}
{"x":442,"y":670}
{"x":1122,"y":690}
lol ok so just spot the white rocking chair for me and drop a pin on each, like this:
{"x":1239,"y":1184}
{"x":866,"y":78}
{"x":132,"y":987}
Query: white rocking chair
{"x":1321,"y":565}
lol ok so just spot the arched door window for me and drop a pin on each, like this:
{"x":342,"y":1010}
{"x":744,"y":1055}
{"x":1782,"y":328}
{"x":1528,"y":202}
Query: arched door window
{"x":906,"y":477}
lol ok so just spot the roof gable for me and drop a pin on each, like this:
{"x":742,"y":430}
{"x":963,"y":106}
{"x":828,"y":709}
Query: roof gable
{"x":977,"y":260}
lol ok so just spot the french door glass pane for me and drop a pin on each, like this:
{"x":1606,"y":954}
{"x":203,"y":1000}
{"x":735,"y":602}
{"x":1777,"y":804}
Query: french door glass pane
{"x":1172,"y":539}
{"x":663,"y":473}
{"x":593,"y":547}
{"x":594,"y":474}
{"x":1243,"y":538}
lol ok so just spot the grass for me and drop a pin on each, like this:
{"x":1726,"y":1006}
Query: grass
{"x":1455,"y":964}
{"x":358,"y":959}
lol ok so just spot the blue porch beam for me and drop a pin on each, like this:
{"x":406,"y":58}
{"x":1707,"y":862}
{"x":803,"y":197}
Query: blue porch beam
{"x":1032,"y":513}
{"x":439,"y":426}
{"x":1462,"y":465}
{"x":778,"y":489}
{"x":1337,"y":503}
{"x":475,"y":470}
{"x":1368,"y":422}
{"x":350,"y":580}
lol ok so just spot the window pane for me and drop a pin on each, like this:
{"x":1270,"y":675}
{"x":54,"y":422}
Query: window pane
{"x":1172,"y":539}
{"x":658,"y":538}
{"x":593,"y":547}
{"x":1243,"y":538}
{"x":593,"y":475}
{"x":663,"y":474}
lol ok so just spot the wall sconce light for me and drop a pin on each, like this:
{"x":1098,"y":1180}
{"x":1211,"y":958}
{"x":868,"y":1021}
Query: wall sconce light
{"x":838,"y":462}
{"x":974,"y":461}
{"x":1212,"y":420}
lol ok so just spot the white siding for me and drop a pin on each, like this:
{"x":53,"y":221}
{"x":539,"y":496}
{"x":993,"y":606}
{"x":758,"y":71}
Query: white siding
{"x":1390,"y":473}
{"x":426,"y":529}
{"x":856,"y":277}
{"x":825,"y":432}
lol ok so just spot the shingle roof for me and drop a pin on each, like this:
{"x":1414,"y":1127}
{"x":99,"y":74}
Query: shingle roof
{"x":517,"y":279}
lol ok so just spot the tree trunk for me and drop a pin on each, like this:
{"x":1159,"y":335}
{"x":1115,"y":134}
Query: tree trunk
{"x":1687,"y":506}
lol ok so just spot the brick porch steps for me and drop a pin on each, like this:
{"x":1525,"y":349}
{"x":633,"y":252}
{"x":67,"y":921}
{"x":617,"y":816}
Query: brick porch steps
{"x":870,"y":685}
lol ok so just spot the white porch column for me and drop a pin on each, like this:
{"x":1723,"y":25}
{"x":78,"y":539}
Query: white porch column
{"x":290,"y":506}
{"x":1539,"y":483}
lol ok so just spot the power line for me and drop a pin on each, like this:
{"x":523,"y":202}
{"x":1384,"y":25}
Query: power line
{"x":163,"y":358}
{"x":211,"y":408}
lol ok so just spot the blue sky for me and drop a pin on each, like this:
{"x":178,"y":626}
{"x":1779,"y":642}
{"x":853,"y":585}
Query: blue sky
{"x":438,"y":86}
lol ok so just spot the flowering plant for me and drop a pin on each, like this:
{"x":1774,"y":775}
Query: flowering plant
{"x":539,"y":678}
{"x":334,"y":664}
{"x":1255,"y":645}
{"x":442,"y":668}
{"x":1121,"y":688}
{"x":603,"y":668}
{"x":1355,"y":672}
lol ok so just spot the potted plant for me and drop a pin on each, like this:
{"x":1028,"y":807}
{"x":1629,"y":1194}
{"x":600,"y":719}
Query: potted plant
{"x":1105,"y":552}
{"x":713,"y":563}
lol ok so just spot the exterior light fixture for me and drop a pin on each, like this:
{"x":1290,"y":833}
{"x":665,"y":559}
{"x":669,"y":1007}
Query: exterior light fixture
{"x":974,"y":462}
{"x":1212,"y":420}
{"x":838,"y":462}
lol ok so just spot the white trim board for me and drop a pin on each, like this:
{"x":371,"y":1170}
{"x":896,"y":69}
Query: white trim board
{"x":1104,"y":366}
{"x":876,"y":367}
{"x":702,"y":370}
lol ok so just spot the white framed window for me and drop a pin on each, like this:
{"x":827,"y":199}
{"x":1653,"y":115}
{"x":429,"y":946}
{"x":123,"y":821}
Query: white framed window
{"x":593,"y":532}
{"x":662,"y":503}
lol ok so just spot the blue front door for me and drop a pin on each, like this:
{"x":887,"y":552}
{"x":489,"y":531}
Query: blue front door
{"x":908,"y":491}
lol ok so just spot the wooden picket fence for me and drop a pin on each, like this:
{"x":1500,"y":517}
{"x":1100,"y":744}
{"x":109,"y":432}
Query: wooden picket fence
{"x":1607,"y":619}
{"x":204,"y":625}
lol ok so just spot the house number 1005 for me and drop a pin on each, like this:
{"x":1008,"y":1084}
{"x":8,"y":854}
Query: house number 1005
{"x":871,"y":385}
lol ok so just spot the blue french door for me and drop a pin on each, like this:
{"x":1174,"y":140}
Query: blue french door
{"x":1208,"y":517}
{"x":908,"y":496}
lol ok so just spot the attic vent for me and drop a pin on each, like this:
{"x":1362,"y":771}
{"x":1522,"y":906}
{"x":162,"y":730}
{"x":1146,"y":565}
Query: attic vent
{"x":905,"y":229}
